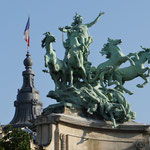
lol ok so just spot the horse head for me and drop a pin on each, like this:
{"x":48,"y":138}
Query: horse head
{"x":49,"y":38}
{"x":146,"y":53}
{"x":114,"y":41}
{"x":111,"y":45}
{"x":105,"y":50}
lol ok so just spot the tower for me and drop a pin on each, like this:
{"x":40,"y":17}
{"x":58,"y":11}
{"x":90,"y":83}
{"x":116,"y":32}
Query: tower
{"x":28,"y":105}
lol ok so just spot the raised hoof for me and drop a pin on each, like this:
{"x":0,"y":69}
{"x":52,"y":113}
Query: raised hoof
{"x":130,"y":93}
{"x":139,"y":86}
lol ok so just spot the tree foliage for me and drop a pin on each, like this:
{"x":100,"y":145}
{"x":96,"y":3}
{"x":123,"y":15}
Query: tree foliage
{"x":15,"y":139}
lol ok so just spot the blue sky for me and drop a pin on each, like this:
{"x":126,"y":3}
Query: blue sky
{"x":127,"y":20}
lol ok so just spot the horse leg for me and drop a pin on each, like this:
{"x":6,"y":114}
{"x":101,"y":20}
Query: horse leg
{"x":111,"y":82}
{"x":46,"y":58}
{"x":101,"y":78}
{"x":84,"y":75}
{"x":125,"y":58}
{"x":78,"y":61}
{"x":119,"y":80}
{"x":120,"y":86}
{"x":64,"y":78}
{"x":71,"y":78}
{"x":131,"y":62}
{"x":126,"y":90}
{"x":148,"y":68}
{"x":144,"y":77}
{"x":57,"y":86}
{"x":113,"y":120}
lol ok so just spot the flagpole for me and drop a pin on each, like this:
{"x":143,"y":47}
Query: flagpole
{"x":27,"y":49}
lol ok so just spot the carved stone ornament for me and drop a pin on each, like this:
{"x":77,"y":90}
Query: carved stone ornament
{"x":140,"y":145}
{"x":63,"y":141}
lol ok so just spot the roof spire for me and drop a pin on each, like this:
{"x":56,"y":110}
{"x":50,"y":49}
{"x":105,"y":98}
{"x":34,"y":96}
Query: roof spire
{"x":28,"y":105}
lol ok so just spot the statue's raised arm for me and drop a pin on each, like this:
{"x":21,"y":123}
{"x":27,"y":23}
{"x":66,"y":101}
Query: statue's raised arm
{"x":93,"y":22}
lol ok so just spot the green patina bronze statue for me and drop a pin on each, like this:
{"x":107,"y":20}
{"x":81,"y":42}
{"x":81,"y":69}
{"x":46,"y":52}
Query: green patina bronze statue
{"x":81,"y":85}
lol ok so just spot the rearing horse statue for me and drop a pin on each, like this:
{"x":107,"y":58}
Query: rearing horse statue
{"x":138,"y":70}
{"x":116,"y":57}
{"x":55,"y":65}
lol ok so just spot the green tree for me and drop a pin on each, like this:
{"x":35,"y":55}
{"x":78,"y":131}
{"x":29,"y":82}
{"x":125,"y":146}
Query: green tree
{"x":15,"y":139}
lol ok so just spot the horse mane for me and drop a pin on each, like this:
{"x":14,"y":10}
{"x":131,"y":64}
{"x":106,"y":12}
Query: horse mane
{"x":105,"y":46}
{"x":140,"y":53}
{"x":43,"y":42}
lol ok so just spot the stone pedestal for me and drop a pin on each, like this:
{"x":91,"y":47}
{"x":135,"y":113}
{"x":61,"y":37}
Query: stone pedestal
{"x":68,"y":131}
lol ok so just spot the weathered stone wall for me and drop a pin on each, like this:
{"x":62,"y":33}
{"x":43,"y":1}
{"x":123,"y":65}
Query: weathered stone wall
{"x":66,"y":132}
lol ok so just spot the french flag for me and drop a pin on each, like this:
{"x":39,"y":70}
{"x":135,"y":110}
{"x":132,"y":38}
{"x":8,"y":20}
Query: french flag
{"x":27,"y":32}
